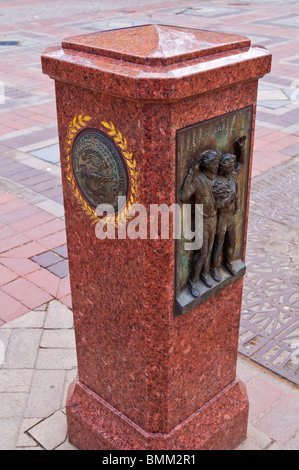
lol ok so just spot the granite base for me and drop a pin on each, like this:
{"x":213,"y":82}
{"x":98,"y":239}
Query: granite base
{"x":93,"y":424}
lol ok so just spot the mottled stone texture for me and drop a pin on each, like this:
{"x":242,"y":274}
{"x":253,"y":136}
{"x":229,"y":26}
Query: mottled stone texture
{"x":148,"y":379}
{"x":221,"y":424}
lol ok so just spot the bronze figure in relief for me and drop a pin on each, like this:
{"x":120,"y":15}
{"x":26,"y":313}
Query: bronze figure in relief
{"x":199,"y":182}
{"x":212,"y":179}
{"x":227,"y":203}
{"x":212,"y":170}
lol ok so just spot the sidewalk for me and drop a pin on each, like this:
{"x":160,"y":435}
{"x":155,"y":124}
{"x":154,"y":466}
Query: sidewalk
{"x":37,"y":350}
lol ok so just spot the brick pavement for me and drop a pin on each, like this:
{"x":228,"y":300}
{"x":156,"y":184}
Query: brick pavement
{"x":36,"y":333}
{"x":27,"y":236}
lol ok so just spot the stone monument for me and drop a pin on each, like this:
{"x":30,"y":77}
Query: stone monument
{"x":155,"y":115}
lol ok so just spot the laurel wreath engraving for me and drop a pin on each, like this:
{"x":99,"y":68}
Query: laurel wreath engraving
{"x":123,"y":216}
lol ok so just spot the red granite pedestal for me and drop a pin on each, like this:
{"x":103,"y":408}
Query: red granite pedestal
{"x":148,"y":378}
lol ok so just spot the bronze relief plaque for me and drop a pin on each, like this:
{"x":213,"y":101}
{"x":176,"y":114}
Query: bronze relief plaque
{"x":99,"y":168}
{"x":212,"y":165}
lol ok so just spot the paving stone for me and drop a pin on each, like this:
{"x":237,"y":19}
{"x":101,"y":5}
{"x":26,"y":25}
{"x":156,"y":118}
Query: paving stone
{"x":50,"y":154}
{"x":46,"y":229}
{"x":61,"y":251}
{"x":26,"y":251}
{"x":292,"y":150}
{"x":54,"y":240}
{"x":13,"y":242}
{"x":263,"y":393}
{"x":58,"y":316}
{"x":11,"y":169}
{"x":16,"y":155}
{"x":12,"y":405}
{"x":256,"y":435}
{"x":51,"y":432}
{"x":27,"y":173}
{"x":42,"y":308}
{"x":9,"y":433}
{"x":45,"y":280}
{"x":30,"y":196}
{"x":70,"y":377}
{"x":22,"y":349}
{"x":53,"y":208}
{"x":60,"y":269}
{"x":5,"y":161}
{"x":6,"y":232}
{"x":38,"y":145}
{"x":6,"y":197}
{"x":10,"y":308}
{"x":19,"y":214}
{"x":56,"y":359}
{"x":293,"y":128}
{"x":21,"y":266}
{"x":15,"y":188}
{"x":272,"y":104}
{"x":27,"y":293}
{"x":37,"y":163}
{"x":33,"y":221}
{"x":249,"y":444}
{"x":67,"y":300}
{"x":19,"y":169}
{"x":53,"y":193}
{"x":6,"y":275}
{"x":45,"y":394}
{"x":47,"y":259}
{"x":275,"y":446}
{"x":15,"y":380}
{"x":23,"y":439}
{"x":37,"y":177}
{"x":12,"y":206}
{"x":285,"y":416}
{"x":58,"y":339}
{"x":4,"y":340}
{"x":293,"y":444}
{"x":46,"y":185}
{"x":33,"y":319}
{"x":64,"y":287}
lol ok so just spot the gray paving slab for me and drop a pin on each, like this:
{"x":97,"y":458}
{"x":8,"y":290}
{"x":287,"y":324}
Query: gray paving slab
{"x":60,"y":269}
{"x":45,"y":394}
{"x":43,"y":432}
{"x":62,"y":251}
{"x":49,"y":154}
{"x":9,"y":433}
{"x":47,"y":259}
{"x":23,"y":348}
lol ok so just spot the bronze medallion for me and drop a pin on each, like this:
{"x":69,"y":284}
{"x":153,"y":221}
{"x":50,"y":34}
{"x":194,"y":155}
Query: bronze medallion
{"x":99,"y":168}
